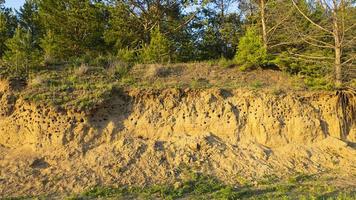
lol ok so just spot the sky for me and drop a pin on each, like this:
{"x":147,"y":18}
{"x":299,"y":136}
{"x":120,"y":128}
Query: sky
{"x":14,"y":3}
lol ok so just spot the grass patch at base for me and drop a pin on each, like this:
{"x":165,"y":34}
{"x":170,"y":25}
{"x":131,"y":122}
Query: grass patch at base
{"x":199,"y":186}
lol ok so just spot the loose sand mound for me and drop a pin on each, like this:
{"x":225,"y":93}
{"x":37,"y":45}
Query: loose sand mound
{"x":142,"y":137}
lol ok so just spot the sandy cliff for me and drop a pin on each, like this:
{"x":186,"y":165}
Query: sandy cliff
{"x":149,"y":136}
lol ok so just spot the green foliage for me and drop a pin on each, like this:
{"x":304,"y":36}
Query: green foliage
{"x":284,"y":62}
{"x":89,"y":31}
{"x":3,"y":30}
{"x":199,"y":186}
{"x":226,"y":63}
{"x":124,"y":31}
{"x":313,"y":71}
{"x":216,"y":31}
{"x":196,"y":187}
{"x":200,"y":83}
{"x":127,"y":55}
{"x":8,"y":24}
{"x":257,"y":85}
{"x":158,"y":50}
{"x":77,"y":26}
{"x":81,"y":87}
{"x":21,"y":55}
{"x":321,"y":83}
{"x":52,"y":48}
{"x":251,"y":53}
{"x":29,"y":20}
{"x":118,"y":70}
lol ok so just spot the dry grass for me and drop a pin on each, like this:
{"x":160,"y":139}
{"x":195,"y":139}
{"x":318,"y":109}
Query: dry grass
{"x":196,"y":74}
{"x":86,"y":86}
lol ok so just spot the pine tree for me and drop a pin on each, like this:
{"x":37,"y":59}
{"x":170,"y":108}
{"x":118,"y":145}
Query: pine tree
{"x":51,"y":48}
{"x":124,"y":29}
{"x":251,"y":52}
{"x":77,"y":24}
{"x":21,"y":55}
{"x":29,"y":20}
{"x":8,"y":23}
{"x":158,"y":51}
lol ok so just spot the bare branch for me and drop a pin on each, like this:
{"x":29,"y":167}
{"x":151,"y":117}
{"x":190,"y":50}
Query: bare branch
{"x":187,"y":21}
{"x":311,"y":21}
{"x":349,"y":28}
{"x":317,"y":45}
{"x":350,"y":59}
{"x":311,"y":57}
{"x":280,"y":44}
{"x":305,"y":38}
{"x":279,"y":23}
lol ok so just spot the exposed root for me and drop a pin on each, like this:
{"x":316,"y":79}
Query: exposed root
{"x":346,"y":106}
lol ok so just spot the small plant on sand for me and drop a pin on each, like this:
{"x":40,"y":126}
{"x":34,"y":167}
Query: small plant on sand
{"x":226,"y":63}
{"x":257,"y":85}
{"x":82,"y":70}
{"x":200,"y":83}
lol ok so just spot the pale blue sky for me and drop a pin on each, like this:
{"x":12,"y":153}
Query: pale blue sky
{"x":14,"y":3}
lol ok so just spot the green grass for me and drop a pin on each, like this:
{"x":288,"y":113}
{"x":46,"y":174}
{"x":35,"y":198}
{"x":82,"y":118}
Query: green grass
{"x":72,"y":88}
{"x":199,"y":186}
{"x":85,"y":86}
{"x":300,"y":186}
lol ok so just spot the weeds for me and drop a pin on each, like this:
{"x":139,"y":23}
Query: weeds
{"x":200,"y":83}
{"x":198,"y":186}
{"x":226,"y":63}
{"x":79,"y":89}
{"x":256,"y":85}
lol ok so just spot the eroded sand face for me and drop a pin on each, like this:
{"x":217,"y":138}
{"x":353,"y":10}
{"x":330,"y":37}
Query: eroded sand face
{"x":147,"y":136}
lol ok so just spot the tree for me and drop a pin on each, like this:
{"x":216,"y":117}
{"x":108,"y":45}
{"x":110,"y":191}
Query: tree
{"x":8,"y":23}
{"x":217,"y":30}
{"x":52,"y":49}
{"x":29,"y":20}
{"x":158,"y":50}
{"x":272,"y":16}
{"x":251,"y":53}
{"x":335,"y":24}
{"x":253,"y":6}
{"x":125,"y":30}
{"x":77,"y":24}
{"x":21,"y":55}
{"x":131,"y":24}
{"x":226,"y":22}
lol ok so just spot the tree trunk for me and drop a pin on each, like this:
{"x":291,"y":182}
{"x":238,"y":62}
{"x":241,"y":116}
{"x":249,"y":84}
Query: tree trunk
{"x":263,"y":22}
{"x":338,"y":70}
{"x":337,"y":48}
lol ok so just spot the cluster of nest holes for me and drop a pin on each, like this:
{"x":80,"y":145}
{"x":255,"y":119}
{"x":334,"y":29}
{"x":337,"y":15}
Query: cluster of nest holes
{"x":4,"y":112}
{"x":280,"y":113}
{"x":133,"y":121}
{"x":45,"y":119}
{"x":99,"y":117}
{"x":105,"y":112}
{"x":325,"y":108}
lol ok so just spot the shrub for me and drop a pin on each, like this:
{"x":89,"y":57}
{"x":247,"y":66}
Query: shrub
{"x":82,"y":70}
{"x":286,"y":64}
{"x":36,"y":81}
{"x":118,"y":70}
{"x":225,"y":63}
{"x":322,"y":83}
{"x":21,"y":55}
{"x":309,"y":68}
{"x":100,"y":61}
{"x":158,"y":51}
{"x":127,"y":55}
{"x":251,"y":53}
